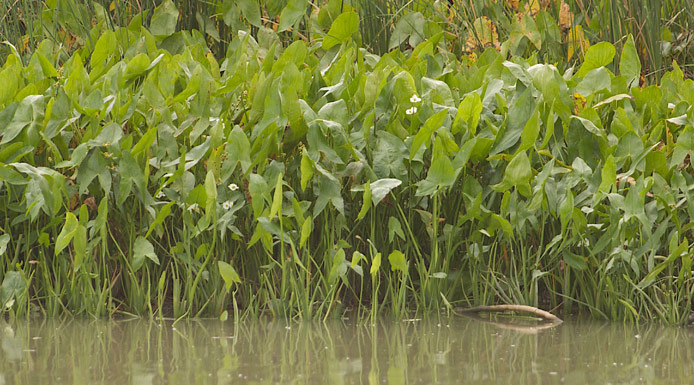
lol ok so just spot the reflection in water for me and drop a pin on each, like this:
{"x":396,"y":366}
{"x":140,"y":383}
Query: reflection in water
{"x":445,"y":351}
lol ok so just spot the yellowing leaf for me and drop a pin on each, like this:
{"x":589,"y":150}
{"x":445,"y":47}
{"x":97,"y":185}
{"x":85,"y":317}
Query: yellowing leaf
{"x":482,"y":34}
{"x":577,"y":42}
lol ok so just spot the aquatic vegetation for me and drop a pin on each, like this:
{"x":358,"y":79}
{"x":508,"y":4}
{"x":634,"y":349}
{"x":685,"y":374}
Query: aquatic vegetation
{"x":143,"y":174}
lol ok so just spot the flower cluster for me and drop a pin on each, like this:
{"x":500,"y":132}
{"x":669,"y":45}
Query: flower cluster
{"x":413,"y":110}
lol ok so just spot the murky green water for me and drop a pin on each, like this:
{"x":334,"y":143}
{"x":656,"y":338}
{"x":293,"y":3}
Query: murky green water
{"x":442,"y":351}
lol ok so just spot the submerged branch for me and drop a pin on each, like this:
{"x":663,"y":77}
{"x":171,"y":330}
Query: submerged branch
{"x":519,"y":308}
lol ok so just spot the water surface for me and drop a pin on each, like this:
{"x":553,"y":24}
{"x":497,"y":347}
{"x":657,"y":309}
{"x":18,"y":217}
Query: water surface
{"x":439,"y":351}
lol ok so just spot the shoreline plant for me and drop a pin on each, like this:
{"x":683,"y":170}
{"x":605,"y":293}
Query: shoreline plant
{"x":144,"y":175}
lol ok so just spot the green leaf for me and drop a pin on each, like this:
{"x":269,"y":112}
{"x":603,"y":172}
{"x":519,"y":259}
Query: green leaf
{"x":210,"y":194}
{"x":468,"y":114}
{"x":598,"y":55}
{"x":66,"y":234}
{"x":277,"y":198}
{"x":381,"y":188}
{"x":161,"y":216}
{"x":342,"y":29}
{"x":104,"y":48}
{"x":164,"y":19}
{"x":530,"y":132}
{"x":424,"y":134}
{"x":394,"y":228}
{"x":306,"y":170}
{"x":440,"y":174}
{"x":4,"y":240}
{"x":46,"y":66}
{"x":575,"y":261}
{"x":328,"y":191}
{"x":375,"y":265}
{"x":518,"y":170}
{"x":141,"y":250}
{"x":518,"y":115}
{"x":251,"y":11}
{"x":292,"y":13}
{"x":136,"y":66}
{"x":566,"y":210}
{"x":79,"y":244}
{"x":13,"y":287}
{"x":595,"y":81}
{"x":629,"y":63}
{"x":389,"y":156}
{"x":608,"y":174}
{"x":229,"y":274}
{"x":397,"y":261}
{"x":366,"y":201}
{"x":306,"y":228}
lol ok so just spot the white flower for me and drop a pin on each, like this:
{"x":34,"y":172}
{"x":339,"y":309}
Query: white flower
{"x":411,"y":111}
{"x":228,"y":205}
{"x":159,"y":195}
{"x":192,"y":207}
{"x":415,"y":99}
{"x":233,"y":187}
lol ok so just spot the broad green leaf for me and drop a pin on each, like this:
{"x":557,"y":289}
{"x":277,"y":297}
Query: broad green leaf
{"x":575,"y":261}
{"x":67,"y":233}
{"x":292,"y":13}
{"x":105,"y":47}
{"x":229,"y":274}
{"x":424,"y":134}
{"x":46,"y":66}
{"x":598,"y":55}
{"x":28,"y":113}
{"x":328,"y":191}
{"x":238,"y":149}
{"x":630,"y":64}
{"x":440,"y":174}
{"x":13,"y":287}
{"x":251,"y":11}
{"x":596,"y":80}
{"x":141,"y":250}
{"x":518,"y":170}
{"x":4,"y":240}
{"x":397,"y":261}
{"x":375,"y":265}
{"x":342,"y":29}
{"x":390,"y":154}
{"x":306,"y":228}
{"x":547,"y":80}
{"x":161,"y":216}
{"x":530,"y":132}
{"x":518,"y":115}
{"x":608,"y":175}
{"x":381,"y":188}
{"x":164,"y":19}
{"x":338,"y":267}
{"x":411,"y":26}
{"x":277,"y":198}
{"x":136,"y":66}
{"x":468,"y":114}
{"x":394,"y":228}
